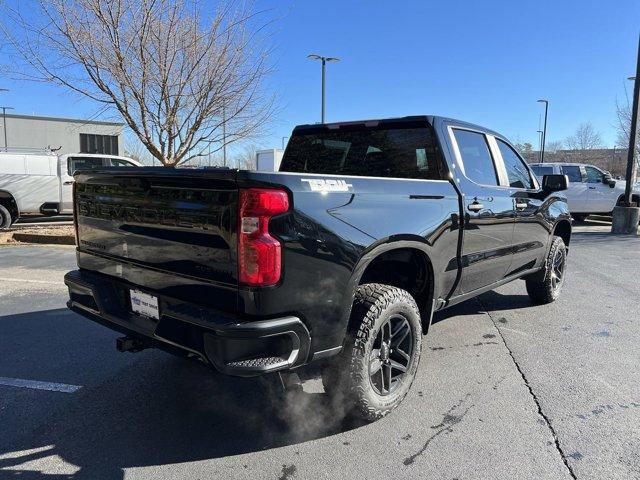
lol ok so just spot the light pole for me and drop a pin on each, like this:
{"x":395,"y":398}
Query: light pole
{"x":283,"y":139}
{"x":4,"y":124}
{"x":625,"y":217}
{"x":544,"y":129}
{"x":224,"y":136}
{"x":4,"y":121}
{"x":324,"y":61}
{"x":539,"y":143}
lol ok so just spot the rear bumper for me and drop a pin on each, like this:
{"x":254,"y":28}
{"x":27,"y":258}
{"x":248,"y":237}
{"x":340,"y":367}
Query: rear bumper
{"x":231,"y":346}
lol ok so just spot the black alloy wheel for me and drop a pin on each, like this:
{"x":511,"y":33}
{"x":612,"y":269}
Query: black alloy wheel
{"x":390,"y":355}
{"x":557,"y":269}
{"x":545,"y":286}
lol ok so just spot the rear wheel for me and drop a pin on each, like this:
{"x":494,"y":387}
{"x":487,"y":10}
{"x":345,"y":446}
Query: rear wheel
{"x":376,"y":368}
{"x":5,"y":218}
{"x":545,"y":287}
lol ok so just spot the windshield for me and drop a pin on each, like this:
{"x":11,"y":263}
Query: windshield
{"x":366,"y":151}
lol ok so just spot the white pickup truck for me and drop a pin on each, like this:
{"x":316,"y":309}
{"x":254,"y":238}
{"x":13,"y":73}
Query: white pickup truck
{"x":42,"y":182}
{"x":591,"y":190}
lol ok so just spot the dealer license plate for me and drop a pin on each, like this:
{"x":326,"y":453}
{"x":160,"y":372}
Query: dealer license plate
{"x":144,"y":304}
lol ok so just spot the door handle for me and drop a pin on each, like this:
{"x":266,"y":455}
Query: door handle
{"x":475,"y":207}
{"x":521,"y":205}
{"x":70,"y":182}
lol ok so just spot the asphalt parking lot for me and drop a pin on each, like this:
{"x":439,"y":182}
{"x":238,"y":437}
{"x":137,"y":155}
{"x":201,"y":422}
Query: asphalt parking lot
{"x":505,"y":390}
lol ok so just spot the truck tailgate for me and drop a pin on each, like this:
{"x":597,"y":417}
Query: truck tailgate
{"x":154,"y":226}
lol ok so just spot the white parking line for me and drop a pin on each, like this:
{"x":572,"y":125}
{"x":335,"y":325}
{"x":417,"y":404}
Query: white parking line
{"x":34,"y":384}
{"x":514,"y":331}
{"x":48,"y":282}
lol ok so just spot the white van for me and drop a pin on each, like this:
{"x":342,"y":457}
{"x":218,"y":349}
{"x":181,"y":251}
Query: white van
{"x":42,"y":182}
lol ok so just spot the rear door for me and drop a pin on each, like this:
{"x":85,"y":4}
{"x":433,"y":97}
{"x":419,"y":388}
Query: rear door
{"x":577,"y":192}
{"x":488,"y":211}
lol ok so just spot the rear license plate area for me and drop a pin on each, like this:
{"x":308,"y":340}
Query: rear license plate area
{"x":144,"y":304}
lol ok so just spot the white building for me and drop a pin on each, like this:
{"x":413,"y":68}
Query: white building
{"x":71,"y":135}
{"x":269,"y":160}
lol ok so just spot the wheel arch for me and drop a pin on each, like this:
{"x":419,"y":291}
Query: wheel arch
{"x":635,"y":197}
{"x":562,"y":229}
{"x":374,"y":266}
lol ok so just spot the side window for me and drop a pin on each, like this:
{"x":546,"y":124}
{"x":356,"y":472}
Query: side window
{"x":83,"y":163}
{"x":517,"y":172}
{"x":573,"y":172}
{"x":476,"y":157}
{"x":118,"y":162}
{"x":594,"y":175}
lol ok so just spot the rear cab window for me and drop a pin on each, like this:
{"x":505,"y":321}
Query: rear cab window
{"x":360,"y":150}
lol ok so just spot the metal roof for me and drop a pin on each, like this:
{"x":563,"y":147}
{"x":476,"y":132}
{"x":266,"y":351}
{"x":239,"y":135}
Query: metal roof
{"x":62,"y":119}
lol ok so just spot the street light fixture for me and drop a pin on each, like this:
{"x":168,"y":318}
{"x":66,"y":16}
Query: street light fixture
{"x":544,"y":129}
{"x":324,"y":61}
{"x":4,"y":124}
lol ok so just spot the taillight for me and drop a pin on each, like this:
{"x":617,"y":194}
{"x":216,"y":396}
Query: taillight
{"x":259,"y":254}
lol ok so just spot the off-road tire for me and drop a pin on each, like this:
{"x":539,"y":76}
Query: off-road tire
{"x":347,"y":378}
{"x":543,"y":287}
{"x":5,"y":218}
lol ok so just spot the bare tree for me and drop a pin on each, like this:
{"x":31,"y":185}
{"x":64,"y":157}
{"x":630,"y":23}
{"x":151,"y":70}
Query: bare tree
{"x":246,"y":159}
{"x":134,"y":148}
{"x":175,"y":70}
{"x":585,"y":138}
{"x":623,"y":125}
{"x":554,"y":146}
{"x":525,"y":148}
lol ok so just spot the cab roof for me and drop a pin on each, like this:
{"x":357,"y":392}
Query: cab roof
{"x":406,"y":122}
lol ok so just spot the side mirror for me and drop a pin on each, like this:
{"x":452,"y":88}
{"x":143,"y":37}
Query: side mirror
{"x":555,"y":182}
{"x":608,"y":180}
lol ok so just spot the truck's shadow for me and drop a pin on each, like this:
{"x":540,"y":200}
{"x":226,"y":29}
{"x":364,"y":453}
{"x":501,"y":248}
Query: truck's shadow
{"x":491,"y":300}
{"x":159,"y":410}
{"x":165,"y":410}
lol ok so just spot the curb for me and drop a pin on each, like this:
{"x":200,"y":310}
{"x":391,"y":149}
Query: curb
{"x":38,"y":238}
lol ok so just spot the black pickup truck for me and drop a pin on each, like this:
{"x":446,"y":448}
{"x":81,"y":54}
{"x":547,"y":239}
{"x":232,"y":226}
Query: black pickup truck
{"x":342,"y":256}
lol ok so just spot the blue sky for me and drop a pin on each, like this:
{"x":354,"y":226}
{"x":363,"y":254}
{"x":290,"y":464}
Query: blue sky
{"x":482,"y":61}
